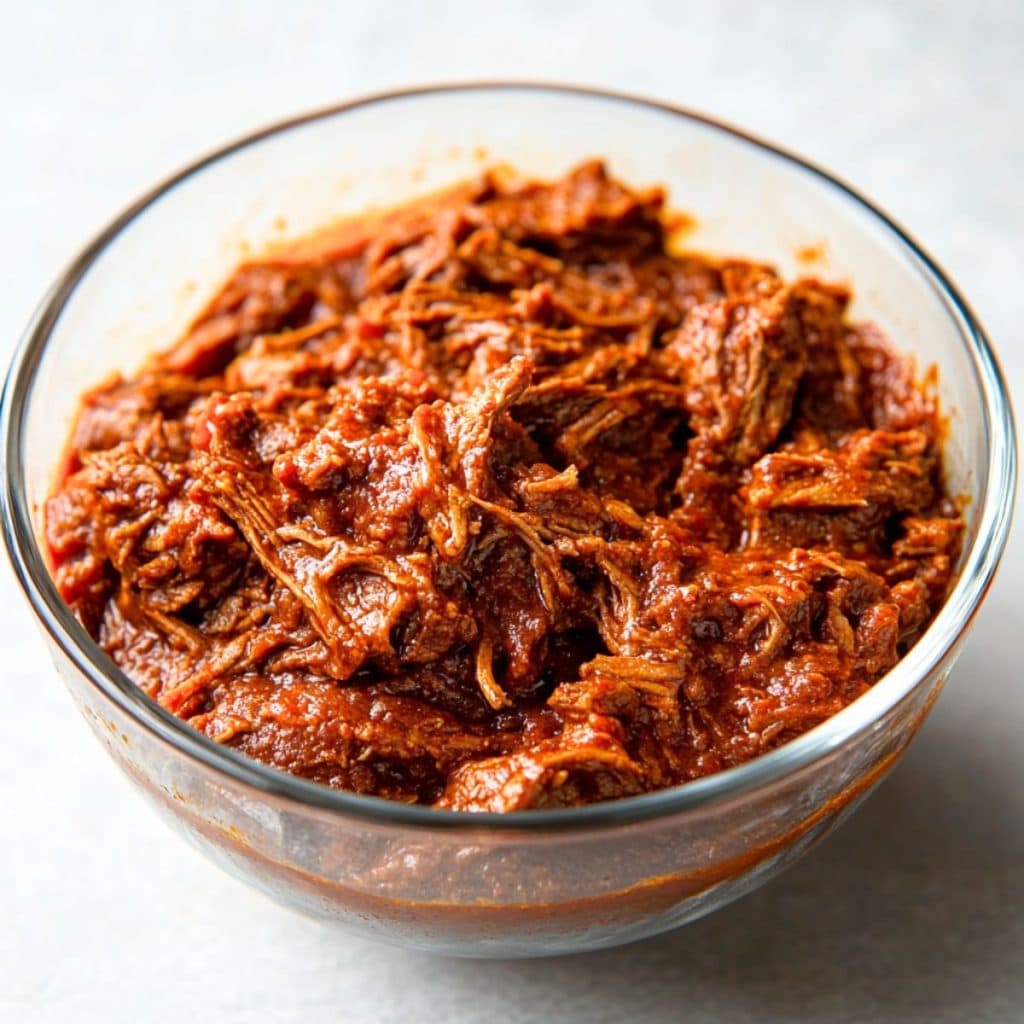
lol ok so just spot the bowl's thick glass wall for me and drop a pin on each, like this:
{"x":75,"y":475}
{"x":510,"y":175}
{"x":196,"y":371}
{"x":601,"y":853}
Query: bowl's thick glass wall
{"x":485,"y":892}
{"x":490,"y":888}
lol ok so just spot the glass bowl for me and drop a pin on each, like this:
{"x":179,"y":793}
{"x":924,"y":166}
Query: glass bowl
{"x":531,"y":883}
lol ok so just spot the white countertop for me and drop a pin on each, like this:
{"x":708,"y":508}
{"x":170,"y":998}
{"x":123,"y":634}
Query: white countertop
{"x":914,"y":910}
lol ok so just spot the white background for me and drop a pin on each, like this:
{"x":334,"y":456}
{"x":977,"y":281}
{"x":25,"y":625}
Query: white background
{"x":915,"y":910}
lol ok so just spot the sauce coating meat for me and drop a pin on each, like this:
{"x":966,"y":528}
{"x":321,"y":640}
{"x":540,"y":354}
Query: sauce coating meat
{"x":495,"y":503}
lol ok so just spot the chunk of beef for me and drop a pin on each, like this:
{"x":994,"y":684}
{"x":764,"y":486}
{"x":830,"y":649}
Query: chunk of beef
{"x":124,"y":517}
{"x":741,"y":359}
{"x":848,"y":497}
{"x":585,"y":763}
{"x":355,"y":738}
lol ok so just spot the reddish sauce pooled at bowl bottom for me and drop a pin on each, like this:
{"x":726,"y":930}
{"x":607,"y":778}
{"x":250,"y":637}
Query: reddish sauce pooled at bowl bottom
{"x":495,"y":502}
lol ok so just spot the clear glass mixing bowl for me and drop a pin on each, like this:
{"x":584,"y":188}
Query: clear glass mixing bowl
{"x":533,"y":883}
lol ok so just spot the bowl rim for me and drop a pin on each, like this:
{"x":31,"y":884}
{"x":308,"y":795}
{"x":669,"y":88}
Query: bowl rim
{"x":935,"y":648}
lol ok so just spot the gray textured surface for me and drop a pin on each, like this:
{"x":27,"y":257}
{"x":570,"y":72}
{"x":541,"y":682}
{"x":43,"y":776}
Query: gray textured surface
{"x":914,"y":911}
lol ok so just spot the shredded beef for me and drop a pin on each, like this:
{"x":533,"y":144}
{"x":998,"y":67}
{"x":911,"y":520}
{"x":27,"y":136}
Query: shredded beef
{"x":495,"y":503}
